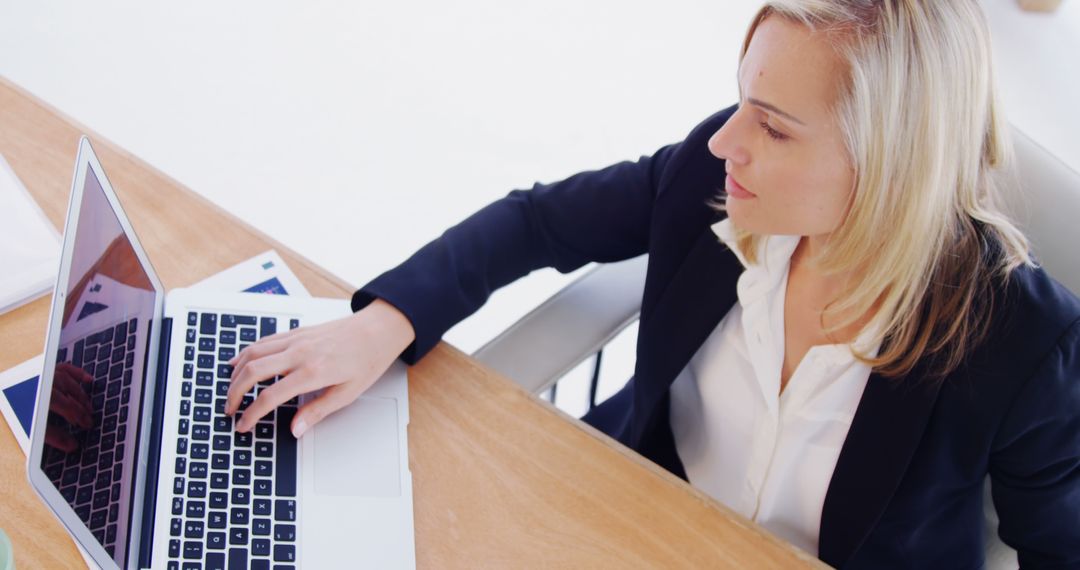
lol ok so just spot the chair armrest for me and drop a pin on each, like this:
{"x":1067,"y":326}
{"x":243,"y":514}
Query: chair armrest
{"x":569,"y":327}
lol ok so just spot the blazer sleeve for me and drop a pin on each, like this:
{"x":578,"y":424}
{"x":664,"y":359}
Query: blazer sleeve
{"x":1035,"y":463}
{"x":598,"y":216}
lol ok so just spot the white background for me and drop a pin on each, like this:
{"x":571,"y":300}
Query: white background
{"x":355,"y":132}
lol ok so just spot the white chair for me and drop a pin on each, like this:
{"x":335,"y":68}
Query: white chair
{"x":580,"y":319}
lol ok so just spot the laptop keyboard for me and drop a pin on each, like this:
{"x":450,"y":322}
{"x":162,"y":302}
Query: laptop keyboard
{"x":234,"y":494}
{"x":90,"y":479}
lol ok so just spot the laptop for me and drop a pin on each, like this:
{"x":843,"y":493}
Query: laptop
{"x":132,"y":451}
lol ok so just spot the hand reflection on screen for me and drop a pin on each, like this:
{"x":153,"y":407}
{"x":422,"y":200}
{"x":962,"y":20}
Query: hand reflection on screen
{"x":69,"y":405}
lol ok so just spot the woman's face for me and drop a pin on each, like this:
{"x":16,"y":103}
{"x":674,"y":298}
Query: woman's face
{"x":788,"y":171}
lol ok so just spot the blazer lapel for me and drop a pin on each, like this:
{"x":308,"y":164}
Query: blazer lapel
{"x":887,"y":427}
{"x":701,"y":292}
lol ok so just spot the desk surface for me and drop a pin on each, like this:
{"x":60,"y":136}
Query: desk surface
{"x":500,"y":478}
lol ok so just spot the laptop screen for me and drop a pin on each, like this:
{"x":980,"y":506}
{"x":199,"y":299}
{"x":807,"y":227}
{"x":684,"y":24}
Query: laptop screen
{"x":91,"y":434}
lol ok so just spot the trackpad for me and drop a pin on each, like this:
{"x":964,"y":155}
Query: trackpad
{"x":356,"y":450}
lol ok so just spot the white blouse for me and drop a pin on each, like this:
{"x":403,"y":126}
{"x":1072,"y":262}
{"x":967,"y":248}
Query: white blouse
{"x":765,"y":454}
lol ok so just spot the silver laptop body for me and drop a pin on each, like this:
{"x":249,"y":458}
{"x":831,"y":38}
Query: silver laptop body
{"x":129,"y":447}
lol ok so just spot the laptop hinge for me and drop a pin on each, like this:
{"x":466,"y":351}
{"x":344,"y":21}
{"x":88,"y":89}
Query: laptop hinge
{"x":146,"y":542}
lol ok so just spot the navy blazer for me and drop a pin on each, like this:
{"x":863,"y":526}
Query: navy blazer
{"x":907,"y":490}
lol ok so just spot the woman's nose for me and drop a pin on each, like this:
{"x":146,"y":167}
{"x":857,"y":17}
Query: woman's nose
{"x":725,"y":143}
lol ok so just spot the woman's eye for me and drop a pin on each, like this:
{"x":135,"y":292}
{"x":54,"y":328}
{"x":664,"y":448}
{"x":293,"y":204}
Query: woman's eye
{"x":773,"y":133}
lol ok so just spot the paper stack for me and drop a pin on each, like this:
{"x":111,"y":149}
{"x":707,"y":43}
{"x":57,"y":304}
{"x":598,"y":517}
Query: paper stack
{"x":29,"y":244}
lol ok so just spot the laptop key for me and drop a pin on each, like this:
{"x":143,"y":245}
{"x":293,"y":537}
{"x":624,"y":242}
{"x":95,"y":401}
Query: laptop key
{"x":206,"y":344}
{"x":242,"y":457}
{"x":215,"y":560}
{"x":261,"y":487}
{"x":260,"y":527}
{"x":192,"y":318}
{"x":219,"y":481}
{"x":192,"y":550}
{"x":285,"y":462}
{"x":241,"y":477}
{"x":200,"y":432}
{"x":284,"y":553}
{"x":247,"y":335}
{"x":238,"y":558}
{"x":260,"y":547}
{"x":219,"y":500}
{"x":261,"y":507}
{"x":190,"y":336}
{"x":208,"y":324}
{"x":239,"y":516}
{"x":197,"y":489}
{"x":196,"y":509}
{"x":215,"y":541}
{"x":188,"y":371}
{"x":263,"y":468}
{"x":198,"y":470}
{"x":217,"y":519}
{"x":200,"y":451}
{"x":204,"y":378}
{"x":193,"y":529}
{"x":285,"y":532}
{"x":175,"y":527}
{"x":238,"y":535}
{"x":174,"y":548}
{"x":177,"y":505}
{"x":267,"y":326}
{"x":220,"y":460}
{"x":285,"y":510}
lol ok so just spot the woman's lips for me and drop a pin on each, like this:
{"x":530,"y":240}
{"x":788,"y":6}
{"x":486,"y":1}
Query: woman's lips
{"x":736,"y":191}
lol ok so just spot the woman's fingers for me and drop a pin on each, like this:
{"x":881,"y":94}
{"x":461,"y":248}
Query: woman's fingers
{"x":331,"y":400}
{"x":271,"y":397}
{"x":57,"y":437}
{"x":68,"y":408}
{"x":64,"y":383}
{"x":262,"y":347}
{"x":255,"y":371}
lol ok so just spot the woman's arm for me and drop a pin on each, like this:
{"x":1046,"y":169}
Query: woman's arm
{"x":1035,"y":462}
{"x":599,"y":216}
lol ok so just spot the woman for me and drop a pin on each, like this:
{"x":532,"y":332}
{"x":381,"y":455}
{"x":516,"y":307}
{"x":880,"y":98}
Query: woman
{"x":841,"y":345}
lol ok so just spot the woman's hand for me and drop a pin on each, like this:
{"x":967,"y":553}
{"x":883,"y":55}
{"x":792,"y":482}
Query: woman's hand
{"x":70,"y":402}
{"x":345,"y":356}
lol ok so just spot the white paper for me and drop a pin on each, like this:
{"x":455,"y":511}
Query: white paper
{"x":29,"y":244}
{"x":266,"y":273}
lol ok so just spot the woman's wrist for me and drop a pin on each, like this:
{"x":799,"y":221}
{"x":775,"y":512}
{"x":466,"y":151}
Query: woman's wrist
{"x":387,"y":323}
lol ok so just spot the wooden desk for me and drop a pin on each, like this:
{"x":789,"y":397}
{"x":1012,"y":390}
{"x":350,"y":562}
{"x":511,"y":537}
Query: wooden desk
{"x":500,"y":478}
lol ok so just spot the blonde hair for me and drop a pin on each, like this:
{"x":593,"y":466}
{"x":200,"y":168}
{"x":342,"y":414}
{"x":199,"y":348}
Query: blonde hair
{"x":927,"y":141}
